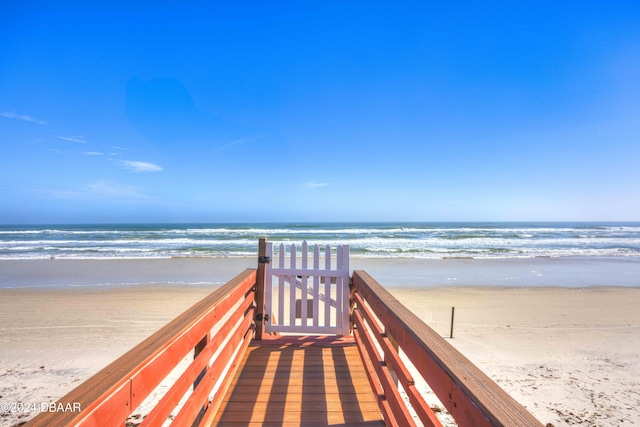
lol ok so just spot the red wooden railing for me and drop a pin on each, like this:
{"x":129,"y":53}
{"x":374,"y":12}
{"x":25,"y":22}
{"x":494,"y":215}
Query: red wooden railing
{"x":219,"y":338}
{"x":470,"y":397}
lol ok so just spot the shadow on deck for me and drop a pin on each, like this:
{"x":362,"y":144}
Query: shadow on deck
{"x":300,"y":381}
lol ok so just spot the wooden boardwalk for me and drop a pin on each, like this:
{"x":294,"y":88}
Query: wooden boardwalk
{"x":295,"y":381}
{"x":298,"y":379}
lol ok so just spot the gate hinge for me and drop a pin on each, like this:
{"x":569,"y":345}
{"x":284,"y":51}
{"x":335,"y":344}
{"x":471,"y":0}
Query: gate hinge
{"x":260,"y":317}
{"x":264,"y":260}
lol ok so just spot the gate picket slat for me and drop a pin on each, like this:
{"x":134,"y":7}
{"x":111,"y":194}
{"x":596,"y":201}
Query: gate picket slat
{"x":292,"y":289}
{"x":316,"y":286}
{"x":281,"y":286}
{"x":327,"y":287}
{"x":303,"y":298}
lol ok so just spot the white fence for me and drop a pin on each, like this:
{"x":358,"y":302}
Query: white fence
{"x":304,"y":298}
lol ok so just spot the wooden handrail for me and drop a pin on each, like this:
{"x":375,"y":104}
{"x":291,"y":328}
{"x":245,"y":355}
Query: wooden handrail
{"x":470,"y":396}
{"x":111,"y":395}
{"x":367,"y":329}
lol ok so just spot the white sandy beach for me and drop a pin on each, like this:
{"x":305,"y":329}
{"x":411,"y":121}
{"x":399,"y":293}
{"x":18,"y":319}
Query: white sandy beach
{"x":569,"y":355}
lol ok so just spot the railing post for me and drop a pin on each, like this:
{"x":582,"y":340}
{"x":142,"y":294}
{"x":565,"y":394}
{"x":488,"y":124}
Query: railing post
{"x":352,"y":304}
{"x":260,"y":279}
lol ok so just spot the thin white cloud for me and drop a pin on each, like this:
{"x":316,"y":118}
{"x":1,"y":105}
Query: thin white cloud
{"x":316,"y":184}
{"x":79,"y":139}
{"x":86,"y":153}
{"x":12,"y":115}
{"x":139,"y":167}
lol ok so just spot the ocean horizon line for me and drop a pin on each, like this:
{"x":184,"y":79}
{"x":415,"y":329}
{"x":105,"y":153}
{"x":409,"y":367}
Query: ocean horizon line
{"x":308,"y":222}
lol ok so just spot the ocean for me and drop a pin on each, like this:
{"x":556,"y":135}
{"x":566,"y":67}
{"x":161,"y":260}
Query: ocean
{"x":366,"y":240}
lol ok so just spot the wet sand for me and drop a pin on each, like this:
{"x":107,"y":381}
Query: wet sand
{"x":392,"y":272}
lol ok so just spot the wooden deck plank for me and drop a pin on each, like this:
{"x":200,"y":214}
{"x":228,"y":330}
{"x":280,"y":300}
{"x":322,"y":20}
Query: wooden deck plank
{"x":310,"y":379}
{"x":280,"y":397}
{"x":300,"y":382}
{"x":292,"y":416}
{"x":299,"y":405}
{"x":304,"y":424}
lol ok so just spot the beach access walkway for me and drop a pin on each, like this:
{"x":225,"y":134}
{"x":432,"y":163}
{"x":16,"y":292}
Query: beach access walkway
{"x":300,"y":381}
{"x":297,"y":341}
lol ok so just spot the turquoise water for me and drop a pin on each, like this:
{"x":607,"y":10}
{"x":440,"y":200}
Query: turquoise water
{"x":367,"y":240}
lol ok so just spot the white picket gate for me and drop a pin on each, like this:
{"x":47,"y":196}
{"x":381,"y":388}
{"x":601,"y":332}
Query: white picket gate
{"x":307,"y":299}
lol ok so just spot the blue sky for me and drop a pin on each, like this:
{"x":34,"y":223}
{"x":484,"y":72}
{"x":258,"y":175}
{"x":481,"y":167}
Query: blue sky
{"x":319,"y":111}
